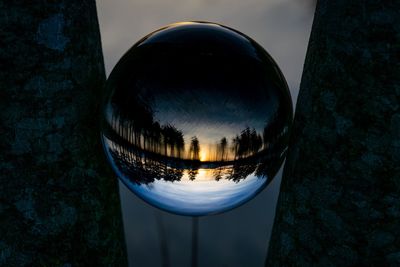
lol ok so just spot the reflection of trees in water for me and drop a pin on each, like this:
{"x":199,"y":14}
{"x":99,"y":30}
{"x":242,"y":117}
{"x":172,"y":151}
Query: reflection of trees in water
{"x":235,"y":172}
{"x":140,"y":169}
{"x":169,"y":141}
{"x":241,"y":171}
{"x":144,"y":167}
{"x":139,"y":128}
{"x":193,"y":173}
{"x":150,"y":151}
{"x":218,"y":172}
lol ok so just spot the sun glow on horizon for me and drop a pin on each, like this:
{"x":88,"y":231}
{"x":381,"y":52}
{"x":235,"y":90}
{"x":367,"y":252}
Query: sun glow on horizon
{"x":203,"y":155}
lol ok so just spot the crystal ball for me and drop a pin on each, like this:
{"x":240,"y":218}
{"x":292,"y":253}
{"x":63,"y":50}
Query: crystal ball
{"x":196,"y":118}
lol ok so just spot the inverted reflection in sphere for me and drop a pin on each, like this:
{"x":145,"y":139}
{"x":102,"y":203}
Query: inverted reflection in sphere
{"x":197,"y":117}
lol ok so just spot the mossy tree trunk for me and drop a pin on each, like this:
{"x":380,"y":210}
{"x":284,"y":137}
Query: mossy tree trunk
{"x":59,"y":203}
{"x":340,"y":195}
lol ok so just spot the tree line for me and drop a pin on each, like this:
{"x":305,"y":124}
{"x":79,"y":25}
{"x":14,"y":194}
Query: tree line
{"x":136,"y":125}
{"x":142,"y":168}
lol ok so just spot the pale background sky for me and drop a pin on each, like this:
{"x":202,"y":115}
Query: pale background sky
{"x":239,"y":237}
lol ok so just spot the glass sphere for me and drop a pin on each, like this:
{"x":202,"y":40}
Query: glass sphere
{"x":196,"y":119}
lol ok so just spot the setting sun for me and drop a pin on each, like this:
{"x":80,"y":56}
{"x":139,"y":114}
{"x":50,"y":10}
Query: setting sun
{"x":203,"y":155}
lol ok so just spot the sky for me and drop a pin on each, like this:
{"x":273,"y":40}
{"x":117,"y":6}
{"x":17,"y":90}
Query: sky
{"x":238,"y":237}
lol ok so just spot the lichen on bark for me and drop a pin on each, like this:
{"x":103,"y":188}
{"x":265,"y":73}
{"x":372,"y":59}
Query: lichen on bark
{"x":59,"y":203}
{"x":339,"y":198}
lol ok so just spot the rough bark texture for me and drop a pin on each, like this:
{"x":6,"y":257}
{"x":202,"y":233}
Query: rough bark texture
{"x":340,"y":196}
{"x":59,"y":202}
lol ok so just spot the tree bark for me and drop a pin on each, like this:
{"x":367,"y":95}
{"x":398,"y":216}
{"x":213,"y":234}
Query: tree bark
{"x":59,"y":203}
{"x":339,"y":203}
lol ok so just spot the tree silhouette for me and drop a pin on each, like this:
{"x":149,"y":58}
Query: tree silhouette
{"x":255,"y":141}
{"x":173,"y":139}
{"x":155,"y":137}
{"x":247,"y":143}
{"x":244,"y":142}
{"x":235,"y":146}
{"x":194,"y":150}
{"x":167,"y":134}
{"x":222,"y":148}
{"x":180,"y":143}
